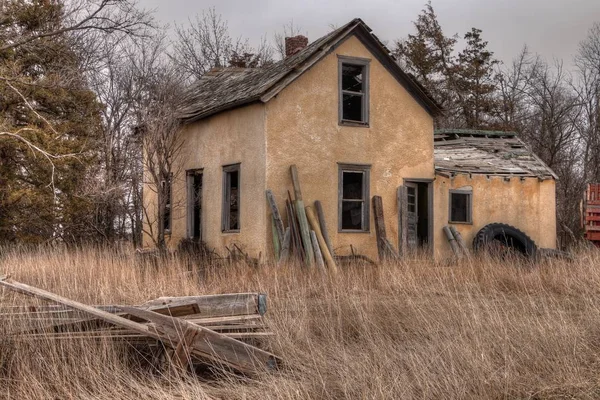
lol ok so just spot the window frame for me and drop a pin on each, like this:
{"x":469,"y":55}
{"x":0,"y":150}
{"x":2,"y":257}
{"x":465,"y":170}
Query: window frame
{"x":364,"y":63}
{"x":469,"y":194}
{"x":365,"y":169}
{"x":225,"y":204}
{"x":168,"y":204}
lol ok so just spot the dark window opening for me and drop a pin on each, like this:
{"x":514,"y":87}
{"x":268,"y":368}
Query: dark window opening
{"x":354,"y":198}
{"x":354,"y":91}
{"x":195,"y":204}
{"x":460,"y":207}
{"x":231,"y":198}
{"x":166,"y":192}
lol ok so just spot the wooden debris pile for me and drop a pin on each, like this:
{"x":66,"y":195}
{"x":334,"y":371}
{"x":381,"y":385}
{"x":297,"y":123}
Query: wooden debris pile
{"x":305,"y":238}
{"x":211,"y":330}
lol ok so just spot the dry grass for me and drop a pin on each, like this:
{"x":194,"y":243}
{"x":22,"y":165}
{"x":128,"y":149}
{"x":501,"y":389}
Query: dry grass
{"x":416,"y":330}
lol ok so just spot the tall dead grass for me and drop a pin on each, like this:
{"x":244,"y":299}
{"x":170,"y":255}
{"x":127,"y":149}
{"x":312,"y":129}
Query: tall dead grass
{"x":479,"y":329}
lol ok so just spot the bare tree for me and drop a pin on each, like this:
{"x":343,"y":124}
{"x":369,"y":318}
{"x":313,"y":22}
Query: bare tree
{"x":205,"y":43}
{"x":156,"y":107}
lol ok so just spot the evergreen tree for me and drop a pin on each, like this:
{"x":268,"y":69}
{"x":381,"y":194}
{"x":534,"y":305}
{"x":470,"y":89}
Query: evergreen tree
{"x":473,"y":80}
{"x":45,"y":105}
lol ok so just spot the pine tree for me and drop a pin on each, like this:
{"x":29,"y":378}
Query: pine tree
{"x":44,"y":100}
{"x":473,"y":81}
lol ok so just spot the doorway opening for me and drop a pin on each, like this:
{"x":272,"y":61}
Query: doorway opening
{"x":194,"y":195}
{"x":419,"y":199}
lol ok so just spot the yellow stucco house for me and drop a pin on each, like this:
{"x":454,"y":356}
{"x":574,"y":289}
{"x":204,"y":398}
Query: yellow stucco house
{"x":356,"y":126}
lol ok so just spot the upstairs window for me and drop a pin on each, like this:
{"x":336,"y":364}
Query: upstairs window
{"x":353,"y":201}
{"x":231,"y":199}
{"x":461,"y":206}
{"x":353,"y":91}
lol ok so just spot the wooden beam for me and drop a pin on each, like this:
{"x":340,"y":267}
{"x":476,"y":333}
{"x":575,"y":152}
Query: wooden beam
{"x":285,"y":247}
{"x":459,"y":240}
{"x":209,"y":344}
{"x":323,"y":226}
{"x":296,"y":182}
{"x":321,"y":240}
{"x":452,"y":241}
{"x":317,"y":250}
{"x":276,"y":215}
{"x":380,"y":227}
{"x":210,"y":305}
{"x":106,"y":316}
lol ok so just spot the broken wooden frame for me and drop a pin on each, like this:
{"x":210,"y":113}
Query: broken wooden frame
{"x":184,"y":324}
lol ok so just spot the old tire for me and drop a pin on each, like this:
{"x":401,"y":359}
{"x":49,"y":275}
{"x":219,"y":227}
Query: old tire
{"x":504,"y":236}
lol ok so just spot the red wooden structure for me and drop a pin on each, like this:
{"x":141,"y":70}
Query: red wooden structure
{"x":590,"y":215}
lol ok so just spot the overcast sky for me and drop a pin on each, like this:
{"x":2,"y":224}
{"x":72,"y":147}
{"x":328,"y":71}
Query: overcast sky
{"x":552,"y":28}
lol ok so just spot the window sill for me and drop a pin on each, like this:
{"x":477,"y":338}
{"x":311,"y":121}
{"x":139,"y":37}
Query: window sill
{"x":355,"y":124}
{"x":230,"y":232}
{"x":460,"y":223}
{"x":352,"y":231}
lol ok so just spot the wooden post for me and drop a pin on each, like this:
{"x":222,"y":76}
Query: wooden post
{"x":296,"y":182}
{"x":301,"y":213}
{"x":460,"y":241}
{"x":317,"y":250}
{"x":323,"y":225}
{"x":452,"y":241}
{"x":380,"y":227}
{"x":276,"y":239}
{"x":276,"y":214}
{"x":314,"y":223}
{"x":285,"y":247}
{"x":402,"y":221}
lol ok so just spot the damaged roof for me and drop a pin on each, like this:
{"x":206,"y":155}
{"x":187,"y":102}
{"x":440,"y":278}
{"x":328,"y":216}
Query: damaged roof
{"x":463,"y":151}
{"x":233,"y":87}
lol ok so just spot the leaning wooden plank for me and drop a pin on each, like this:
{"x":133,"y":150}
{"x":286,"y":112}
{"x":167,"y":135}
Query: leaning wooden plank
{"x":212,"y":345}
{"x":317,"y":250}
{"x":460,"y":241}
{"x":323,"y":226}
{"x":302,"y":222}
{"x":106,"y":316}
{"x":452,"y":241}
{"x":391,"y":252}
{"x":296,"y":182}
{"x":276,"y":240}
{"x":305,"y":233}
{"x":276,"y":214}
{"x":324,"y":250}
{"x":181,"y":356}
{"x":285,"y":247}
{"x":210,"y":305}
{"x":380,"y":228}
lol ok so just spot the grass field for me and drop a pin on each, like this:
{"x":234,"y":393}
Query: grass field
{"x":479,"y":329}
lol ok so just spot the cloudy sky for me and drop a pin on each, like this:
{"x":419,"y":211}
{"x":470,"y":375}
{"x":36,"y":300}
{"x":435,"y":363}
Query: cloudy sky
{"x":552,"y":28}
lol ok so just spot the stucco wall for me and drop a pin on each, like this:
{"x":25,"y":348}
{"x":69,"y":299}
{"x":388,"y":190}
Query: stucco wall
{"x":528,"y":204}
{"x":236,"y":136}
{"x":302,"y":129}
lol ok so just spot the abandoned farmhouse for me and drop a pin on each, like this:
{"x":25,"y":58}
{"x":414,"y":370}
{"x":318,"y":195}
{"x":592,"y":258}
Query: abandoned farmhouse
{"x":356,"y":126}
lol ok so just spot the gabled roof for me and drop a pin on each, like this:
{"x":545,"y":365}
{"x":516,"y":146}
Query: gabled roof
{"x":234,"y":87}
{"x":495,"y":153}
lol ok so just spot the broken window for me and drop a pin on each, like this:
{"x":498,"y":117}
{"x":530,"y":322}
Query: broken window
{"x":194,"y":192}
{"x":460,"y":206}
{"x":353,"y":197}
{"x":165,"y":185}
{"x":354,"y":93}
{"x":231,"y":198}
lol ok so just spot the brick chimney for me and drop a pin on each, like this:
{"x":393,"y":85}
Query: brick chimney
{"x":294,"y":44}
